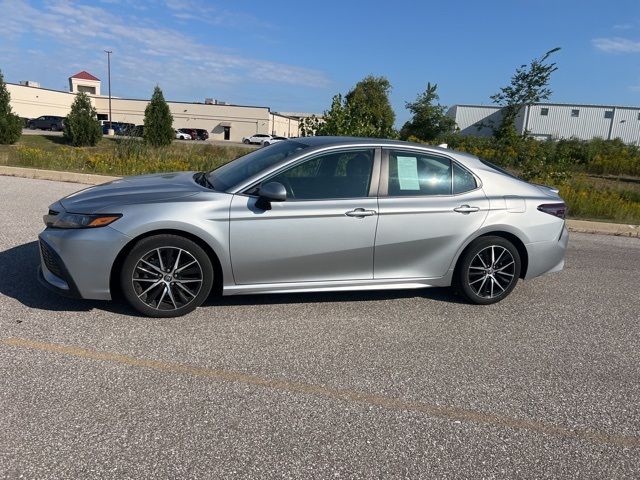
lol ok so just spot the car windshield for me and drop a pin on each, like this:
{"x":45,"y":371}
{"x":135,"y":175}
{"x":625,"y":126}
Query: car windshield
{"x":248,"y":165}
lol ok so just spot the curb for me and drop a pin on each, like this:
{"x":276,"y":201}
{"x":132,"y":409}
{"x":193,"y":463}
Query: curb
{"x":602,"y":228}
{"x":578,"y":226}
{"x":86,"y":178}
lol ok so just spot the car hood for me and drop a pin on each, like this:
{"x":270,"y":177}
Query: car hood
{"x":154,"y":188}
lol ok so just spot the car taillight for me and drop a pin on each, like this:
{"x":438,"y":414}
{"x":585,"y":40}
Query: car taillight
{"x":556,"y":209}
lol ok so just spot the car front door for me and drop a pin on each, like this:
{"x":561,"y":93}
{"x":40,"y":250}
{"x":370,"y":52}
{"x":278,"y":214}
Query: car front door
{"x":428,"y":206}
{"x":325,"y":229}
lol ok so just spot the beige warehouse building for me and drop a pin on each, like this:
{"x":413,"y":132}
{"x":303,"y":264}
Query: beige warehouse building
{"x":221,"y":120}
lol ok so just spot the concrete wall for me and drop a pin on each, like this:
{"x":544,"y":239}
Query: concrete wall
{"x":283,"y":126}
{"x":244,"y":121}
{"x":32,"y":102}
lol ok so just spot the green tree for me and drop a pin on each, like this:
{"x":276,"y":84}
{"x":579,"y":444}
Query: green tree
{"x":369,"y":109}
{"x":309,"y":126}
{"x":364,"y":112}
{"x":336,"y":120}
{"x":158,"y":122}
{"x":429,"y":120}
{"x":81,"y":127}
{"x":10,"y":123}
{"x":530,"y":84}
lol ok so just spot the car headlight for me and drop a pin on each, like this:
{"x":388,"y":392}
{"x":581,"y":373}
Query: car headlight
{"x":79,"y":220}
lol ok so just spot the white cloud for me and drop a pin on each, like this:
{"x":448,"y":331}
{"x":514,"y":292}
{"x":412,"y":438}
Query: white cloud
{"x":616,"y":45}
{"x":142,"y":49}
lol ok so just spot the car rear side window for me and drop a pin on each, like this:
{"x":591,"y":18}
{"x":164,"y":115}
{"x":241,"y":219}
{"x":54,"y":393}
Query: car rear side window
{"x":463,"y":180}
{"x":414,"y":174}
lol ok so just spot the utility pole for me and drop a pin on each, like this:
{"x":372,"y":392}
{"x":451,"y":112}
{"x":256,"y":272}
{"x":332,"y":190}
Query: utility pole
{"x":109,"y":52}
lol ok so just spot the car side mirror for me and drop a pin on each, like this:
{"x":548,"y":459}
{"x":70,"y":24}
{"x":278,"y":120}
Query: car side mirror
{"x":270,"y":192}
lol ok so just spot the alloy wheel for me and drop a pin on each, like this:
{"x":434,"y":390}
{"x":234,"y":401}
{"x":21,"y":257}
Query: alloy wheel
{"x":167,"y":278}
{"x":491,"y":272}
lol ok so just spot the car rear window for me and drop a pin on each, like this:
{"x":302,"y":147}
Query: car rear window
{"x":499,"y":169}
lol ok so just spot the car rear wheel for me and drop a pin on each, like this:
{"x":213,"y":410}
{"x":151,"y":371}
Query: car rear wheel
{"x":166,"y":276}
{"x":488,"y":270}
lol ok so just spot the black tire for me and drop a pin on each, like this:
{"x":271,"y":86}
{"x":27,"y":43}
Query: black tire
{"x":54,"y":128}
{"x":177,"y":290}
{"x":246,"y":141}
{"x":488,"y":270}
{"x":32,"y":126}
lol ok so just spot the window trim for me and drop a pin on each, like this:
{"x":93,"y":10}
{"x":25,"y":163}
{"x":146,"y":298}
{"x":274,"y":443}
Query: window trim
{"x":374,"y":183}
{"x":383,"y":190}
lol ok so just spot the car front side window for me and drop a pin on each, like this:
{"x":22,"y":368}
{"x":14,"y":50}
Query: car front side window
{"x":330,"y":176}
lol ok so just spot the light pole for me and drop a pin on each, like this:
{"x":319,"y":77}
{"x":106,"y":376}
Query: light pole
{"x":109,"y":52}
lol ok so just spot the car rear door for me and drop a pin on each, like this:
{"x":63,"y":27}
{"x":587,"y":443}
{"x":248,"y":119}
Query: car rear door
{"x":428,"y":206}
{"x":325,"y":229}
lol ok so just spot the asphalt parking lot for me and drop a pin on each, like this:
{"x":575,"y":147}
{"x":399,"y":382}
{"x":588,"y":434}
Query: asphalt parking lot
{"x":413,"y":384}
{"x":27,"y":131}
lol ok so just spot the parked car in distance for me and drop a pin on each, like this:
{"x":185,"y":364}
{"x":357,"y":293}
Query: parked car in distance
{"x":311,"y":214}
{"x":272,"y":140}
{"x":201,"y":134}
{"x":47,"y":122}
{"x":182,"y":136}
{"x":189,"y":131}
{"x":257,"y":139}
{"x":136,"y":131}
{"x":119,"y":128}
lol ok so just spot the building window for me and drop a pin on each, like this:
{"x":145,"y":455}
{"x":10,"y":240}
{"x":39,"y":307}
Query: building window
{"x":638,"y":115}
{"x":608,"y":114}
{"x":575,"y":112}
{"x":544,"y":112}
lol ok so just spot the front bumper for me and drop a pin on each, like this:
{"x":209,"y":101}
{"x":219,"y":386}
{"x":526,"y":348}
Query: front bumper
{"x":77,"y":263}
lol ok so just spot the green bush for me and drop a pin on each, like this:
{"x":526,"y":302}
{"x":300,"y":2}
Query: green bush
{"x":158,"y":121}
{"x":82,"y":127}
{"x":10,"y":124}
{"x":597,"y":156}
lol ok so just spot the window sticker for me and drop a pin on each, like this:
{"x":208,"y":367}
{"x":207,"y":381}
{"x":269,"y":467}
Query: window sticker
{"x":408,"y":173}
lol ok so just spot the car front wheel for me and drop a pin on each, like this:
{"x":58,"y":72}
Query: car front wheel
{"x":166,"y":276}
{"x":488,"y":270}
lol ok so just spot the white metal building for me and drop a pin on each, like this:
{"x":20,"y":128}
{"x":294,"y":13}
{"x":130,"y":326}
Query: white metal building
{"x":555,"y":121}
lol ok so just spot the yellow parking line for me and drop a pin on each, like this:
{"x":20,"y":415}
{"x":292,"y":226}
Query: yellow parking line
{"x":440,"y":411}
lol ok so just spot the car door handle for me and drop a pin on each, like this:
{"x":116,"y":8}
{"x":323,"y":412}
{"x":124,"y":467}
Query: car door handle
{"x":466,"y":209}
{"x":360,"y":212}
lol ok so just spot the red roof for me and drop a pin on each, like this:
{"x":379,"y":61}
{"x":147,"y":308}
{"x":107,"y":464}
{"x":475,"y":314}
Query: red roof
{"x":83,"y":75}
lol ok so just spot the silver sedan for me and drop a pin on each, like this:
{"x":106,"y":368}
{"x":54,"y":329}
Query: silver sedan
{"x":306,"y":215}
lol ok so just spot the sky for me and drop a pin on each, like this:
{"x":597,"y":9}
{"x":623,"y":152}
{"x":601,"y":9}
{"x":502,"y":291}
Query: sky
{"x":294,"y":56}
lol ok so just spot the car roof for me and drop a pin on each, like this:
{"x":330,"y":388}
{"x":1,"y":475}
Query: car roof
{"x":328,"y":141}
{"x":321,"y":141}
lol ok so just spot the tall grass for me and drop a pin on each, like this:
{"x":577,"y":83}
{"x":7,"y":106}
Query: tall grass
{"x":125,"y":157}
{"x":587,"y":200}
